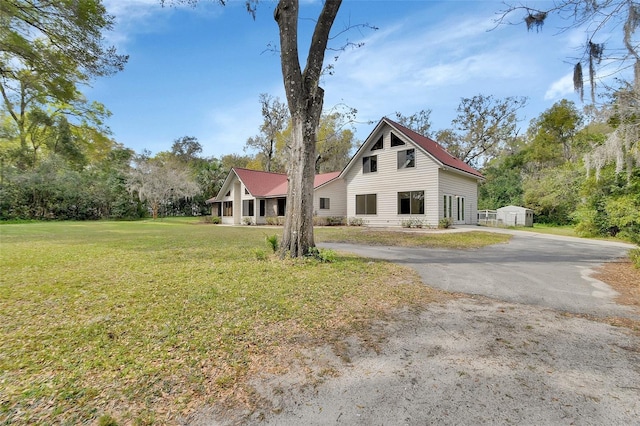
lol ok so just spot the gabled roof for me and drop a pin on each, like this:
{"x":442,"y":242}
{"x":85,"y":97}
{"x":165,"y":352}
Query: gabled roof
{"x":261,"y":184}
{"x":266,"y":184}
{"x":431,"y":147}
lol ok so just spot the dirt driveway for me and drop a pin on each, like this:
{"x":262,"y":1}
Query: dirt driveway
{"x":515,"y":357}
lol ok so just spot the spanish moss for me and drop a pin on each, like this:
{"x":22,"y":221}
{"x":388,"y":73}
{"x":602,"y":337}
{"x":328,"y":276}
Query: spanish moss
{"x":535,"y":20}
{"x":578,"y":81}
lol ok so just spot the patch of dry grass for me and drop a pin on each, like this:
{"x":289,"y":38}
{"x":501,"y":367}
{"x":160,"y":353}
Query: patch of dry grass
{"x":142,"y":322}
{"x":402,"y":238}
{"x":623,"y":277}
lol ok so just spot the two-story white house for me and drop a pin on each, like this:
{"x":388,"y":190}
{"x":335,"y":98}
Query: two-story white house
{"x":396,"y":176}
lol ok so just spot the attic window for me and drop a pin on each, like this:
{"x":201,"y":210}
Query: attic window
{"x":246,"y":191}
{"x":228,"y":194}
{"x":396,"y":141}
{"x":377,"y":145}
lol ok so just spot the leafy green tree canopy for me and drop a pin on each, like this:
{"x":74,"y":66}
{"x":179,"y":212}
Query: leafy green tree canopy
{"x":483,"y":127}
{"x":54,"y":38}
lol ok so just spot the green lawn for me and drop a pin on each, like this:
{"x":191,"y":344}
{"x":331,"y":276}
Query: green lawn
{"x":565,"y":230}
{"x":428,"y":239}
{"x":141,"y":322}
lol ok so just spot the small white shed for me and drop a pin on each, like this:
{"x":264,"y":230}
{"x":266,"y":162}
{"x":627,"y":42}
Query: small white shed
{"x":514,"y":216}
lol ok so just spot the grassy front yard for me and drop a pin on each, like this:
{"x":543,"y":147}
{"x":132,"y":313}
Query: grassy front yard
{"x":141,"y":322}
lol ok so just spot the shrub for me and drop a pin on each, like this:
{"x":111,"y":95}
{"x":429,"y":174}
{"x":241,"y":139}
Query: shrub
{"x":247,"y":220}
{"x":319,"y":221}
{"x":335,"y":221}
{"x":412,"y":223}
{"x":355,"y":221}
{"x":275,"y":220}
{"x":445,"y":223}
{"x":624,"y":214}
{"x":211,"y":219}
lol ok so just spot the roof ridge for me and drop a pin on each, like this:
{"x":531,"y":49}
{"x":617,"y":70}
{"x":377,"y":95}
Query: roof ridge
{"x":451,"y":160}
{"x":257,"y":171}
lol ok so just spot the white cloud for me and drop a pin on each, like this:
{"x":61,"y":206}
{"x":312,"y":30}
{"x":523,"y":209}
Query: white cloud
{"x":560,"y":88}
{"x":132,"y":17}
{"x":412,"y":65}
{"x":130,"y":8}
{"x":148,"y":16}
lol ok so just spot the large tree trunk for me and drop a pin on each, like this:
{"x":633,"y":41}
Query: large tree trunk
{"x":304,"y":98}
{"x":297,"y":237}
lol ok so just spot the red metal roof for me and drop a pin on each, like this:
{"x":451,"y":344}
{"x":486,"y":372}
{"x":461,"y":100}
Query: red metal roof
{"x":435,"y":149}
{"x":267,"y":184}
{"x":261,"y":184}
{"x":323,"y":178}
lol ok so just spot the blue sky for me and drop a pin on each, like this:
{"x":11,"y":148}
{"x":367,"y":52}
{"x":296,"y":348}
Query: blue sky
{"x":199,"y":71}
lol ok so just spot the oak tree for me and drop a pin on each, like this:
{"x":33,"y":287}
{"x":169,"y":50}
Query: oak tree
{"x":305,"y":100}
{"x":160,"y":182}
{"x":275,"y":116}
{"x":482,"y":128}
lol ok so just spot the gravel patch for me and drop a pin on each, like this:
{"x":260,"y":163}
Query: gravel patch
{"x":463,"y":362}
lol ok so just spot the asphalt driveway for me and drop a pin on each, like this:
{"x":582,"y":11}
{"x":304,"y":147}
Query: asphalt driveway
{"x":513,"y":358}
{"x":533,"y":269}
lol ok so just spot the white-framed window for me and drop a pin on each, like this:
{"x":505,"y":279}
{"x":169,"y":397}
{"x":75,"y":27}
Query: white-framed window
{"x":227,"y":208}
{"x":411,"y":202}
{"x":247,"y":207}
{"x":454,"y":207}
{"x":447,"y":206}
{"x":366,"y":204}
{"x":460,"y":208}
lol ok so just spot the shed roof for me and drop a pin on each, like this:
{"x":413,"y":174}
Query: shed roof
{"x":513,"y":208}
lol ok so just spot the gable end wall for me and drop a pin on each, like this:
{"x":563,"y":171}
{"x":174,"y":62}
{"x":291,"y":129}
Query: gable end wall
{"x":388,"y":181}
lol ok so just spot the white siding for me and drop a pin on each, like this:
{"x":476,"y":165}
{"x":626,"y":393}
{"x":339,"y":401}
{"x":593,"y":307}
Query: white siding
{"x":336,"y":192}
{"x":458,"y":185}
{"x":256,"y":206}
{"x":388,"y":181}
{"x":228,"y":220}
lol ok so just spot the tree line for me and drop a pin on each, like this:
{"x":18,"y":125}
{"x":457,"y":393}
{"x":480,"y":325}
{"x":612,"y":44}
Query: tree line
{"x":64,"y":171}
{"x":58,"y":159}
